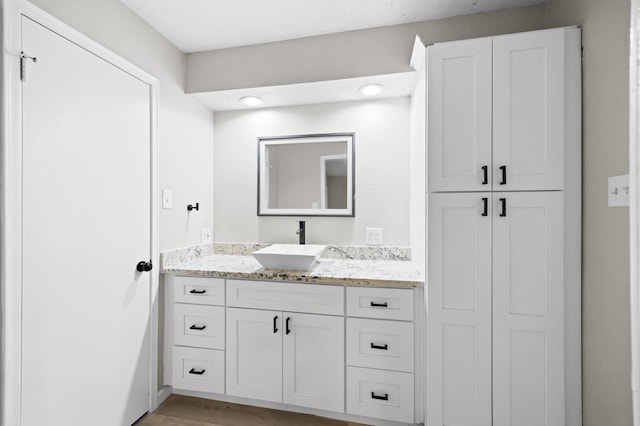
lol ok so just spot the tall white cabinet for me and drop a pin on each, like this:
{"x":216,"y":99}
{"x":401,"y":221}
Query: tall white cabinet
{"x":504,"y":230}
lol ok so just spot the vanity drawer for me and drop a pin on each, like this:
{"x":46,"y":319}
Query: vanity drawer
{"x":199,"y":290}
{"x":198,"y":369}
{"x":387,"y":345}
{"x":383,"y":303}
{"x":380,"y":394}
{"x":198,"y":325}
{"x":292,"y":297}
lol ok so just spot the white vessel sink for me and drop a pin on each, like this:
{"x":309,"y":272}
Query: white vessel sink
{"x":289,"y":256}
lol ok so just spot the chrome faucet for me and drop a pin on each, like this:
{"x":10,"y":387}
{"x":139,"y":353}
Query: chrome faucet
{"x":300,"y":232}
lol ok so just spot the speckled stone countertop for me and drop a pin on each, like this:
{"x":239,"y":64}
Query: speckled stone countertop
{"x":366,"y":272}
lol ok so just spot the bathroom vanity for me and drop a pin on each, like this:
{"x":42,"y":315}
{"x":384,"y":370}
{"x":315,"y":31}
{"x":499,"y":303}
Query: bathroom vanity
{"x":343,"y":340}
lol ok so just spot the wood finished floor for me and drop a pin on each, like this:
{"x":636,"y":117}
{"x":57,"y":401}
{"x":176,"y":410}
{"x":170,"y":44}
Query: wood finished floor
{"x":180,"y":410}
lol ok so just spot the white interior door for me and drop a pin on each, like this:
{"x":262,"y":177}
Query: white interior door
{"x":86,"y":224}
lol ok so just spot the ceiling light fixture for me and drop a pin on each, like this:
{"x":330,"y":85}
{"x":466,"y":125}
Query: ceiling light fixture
{"x":251,"y":100}
{"x":371,"y":89}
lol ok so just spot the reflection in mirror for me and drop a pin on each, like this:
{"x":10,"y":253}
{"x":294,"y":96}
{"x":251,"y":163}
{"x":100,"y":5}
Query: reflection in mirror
{"x":306,"y":175}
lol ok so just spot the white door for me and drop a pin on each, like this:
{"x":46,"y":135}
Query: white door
{"x":86,"y":223}
{"x":459,"y":116}
{"x":528,"y":309}
{"x":313,"y":361}
{"x":529,"y":111}
{"x":254,"y":354}
{"x":459,"y":310}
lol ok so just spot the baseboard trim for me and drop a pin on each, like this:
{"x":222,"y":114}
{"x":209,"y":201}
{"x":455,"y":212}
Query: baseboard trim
{"x":163,"y":394}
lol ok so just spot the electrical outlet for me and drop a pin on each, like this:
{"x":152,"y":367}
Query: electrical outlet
{"x":206,"y":236}
{"x":373,"y":236}
{"x":618,"y":191}
{"x":167,"y":199}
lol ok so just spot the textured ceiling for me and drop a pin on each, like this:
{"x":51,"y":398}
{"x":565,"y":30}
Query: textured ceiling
{"x":199,"y":25}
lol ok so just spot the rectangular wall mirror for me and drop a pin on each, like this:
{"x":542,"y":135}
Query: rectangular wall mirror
{"x":306,"y":175}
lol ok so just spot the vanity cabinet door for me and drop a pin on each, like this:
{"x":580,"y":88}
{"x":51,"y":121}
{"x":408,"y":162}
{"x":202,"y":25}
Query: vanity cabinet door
{"x":254,"y":354}
{"x":313,"y":361}
{"x":459,"y":116}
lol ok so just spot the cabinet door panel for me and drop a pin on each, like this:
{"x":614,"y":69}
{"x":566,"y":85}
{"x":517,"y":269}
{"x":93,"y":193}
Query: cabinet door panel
{"x":459,"y":115}
{"x":313,"y":361}
{"x":459,"y":310}
{"x":528,"y":110}
{"x":254,"y":354}
{"x":528,"y":310}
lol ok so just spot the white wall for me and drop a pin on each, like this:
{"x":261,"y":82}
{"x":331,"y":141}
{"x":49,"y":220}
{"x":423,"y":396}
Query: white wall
{"x":382,"y":176}
{"x":185,"y":127}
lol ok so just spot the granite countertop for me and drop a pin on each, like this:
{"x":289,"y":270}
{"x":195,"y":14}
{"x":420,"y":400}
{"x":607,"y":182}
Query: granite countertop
{"x":383,"y":273}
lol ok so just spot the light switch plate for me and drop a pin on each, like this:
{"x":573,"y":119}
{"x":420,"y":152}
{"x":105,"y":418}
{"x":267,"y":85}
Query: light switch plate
{"x":206,"y":236}
{"x":618,"y":189}
{"x":167,"y":199}
{"x":373,"y":236}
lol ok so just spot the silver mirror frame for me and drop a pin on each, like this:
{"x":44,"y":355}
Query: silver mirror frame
{"x":265,"y":141}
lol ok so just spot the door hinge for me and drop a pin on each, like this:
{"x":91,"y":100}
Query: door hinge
{"x":23,"y":65}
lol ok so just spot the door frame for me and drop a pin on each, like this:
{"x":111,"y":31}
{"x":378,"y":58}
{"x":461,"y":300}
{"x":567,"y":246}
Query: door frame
{"x":634,"y":200}
{"x":11,"y":201}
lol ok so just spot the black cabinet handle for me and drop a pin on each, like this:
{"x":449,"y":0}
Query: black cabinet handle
{"x":485,"y":175}
{"x":384,"y":397}
{"x":275,"y":324}
{"x":196,"y":372}
{"x":379,"y":305}
{"x":196,"y":327}
{"x":383,"y":347}
{"x":287,"y":329}
{"x":194,"y":291}
{"x":485,"y":206}
{"x":503,"y":169}
{"x":503,"y":203}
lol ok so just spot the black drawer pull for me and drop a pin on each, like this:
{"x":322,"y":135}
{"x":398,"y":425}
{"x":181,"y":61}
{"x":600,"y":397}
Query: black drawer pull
{"x":485,"y":175}
{"x":275,"y":324}
{"x":384,"y":398}
{"x":287,"y":328}
{"x":379,"y":305}
{"x":197,"y":327}
{"x":197,"y":373}
{"x":485,"y":206}
{"x":194,"y":291}
{"x":383,"y":347}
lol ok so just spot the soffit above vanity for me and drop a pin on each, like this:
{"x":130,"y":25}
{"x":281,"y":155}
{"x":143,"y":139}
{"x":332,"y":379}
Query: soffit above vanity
{"x":395,"y":85}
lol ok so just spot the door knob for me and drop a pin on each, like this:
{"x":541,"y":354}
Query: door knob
{"x":143,"y":266}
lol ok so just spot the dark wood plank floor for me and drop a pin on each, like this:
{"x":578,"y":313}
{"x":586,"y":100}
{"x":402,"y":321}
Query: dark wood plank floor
{"x":180,"y":410}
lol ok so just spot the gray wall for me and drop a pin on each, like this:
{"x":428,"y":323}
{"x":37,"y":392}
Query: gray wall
{"x":185,"y":130}
{"x":605,"y":300}
{"x":375,"y":51}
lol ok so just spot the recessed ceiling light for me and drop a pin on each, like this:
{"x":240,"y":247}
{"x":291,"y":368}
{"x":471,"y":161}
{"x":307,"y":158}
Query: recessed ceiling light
{"x":251,"y":100}
{"x":371,"y":89}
